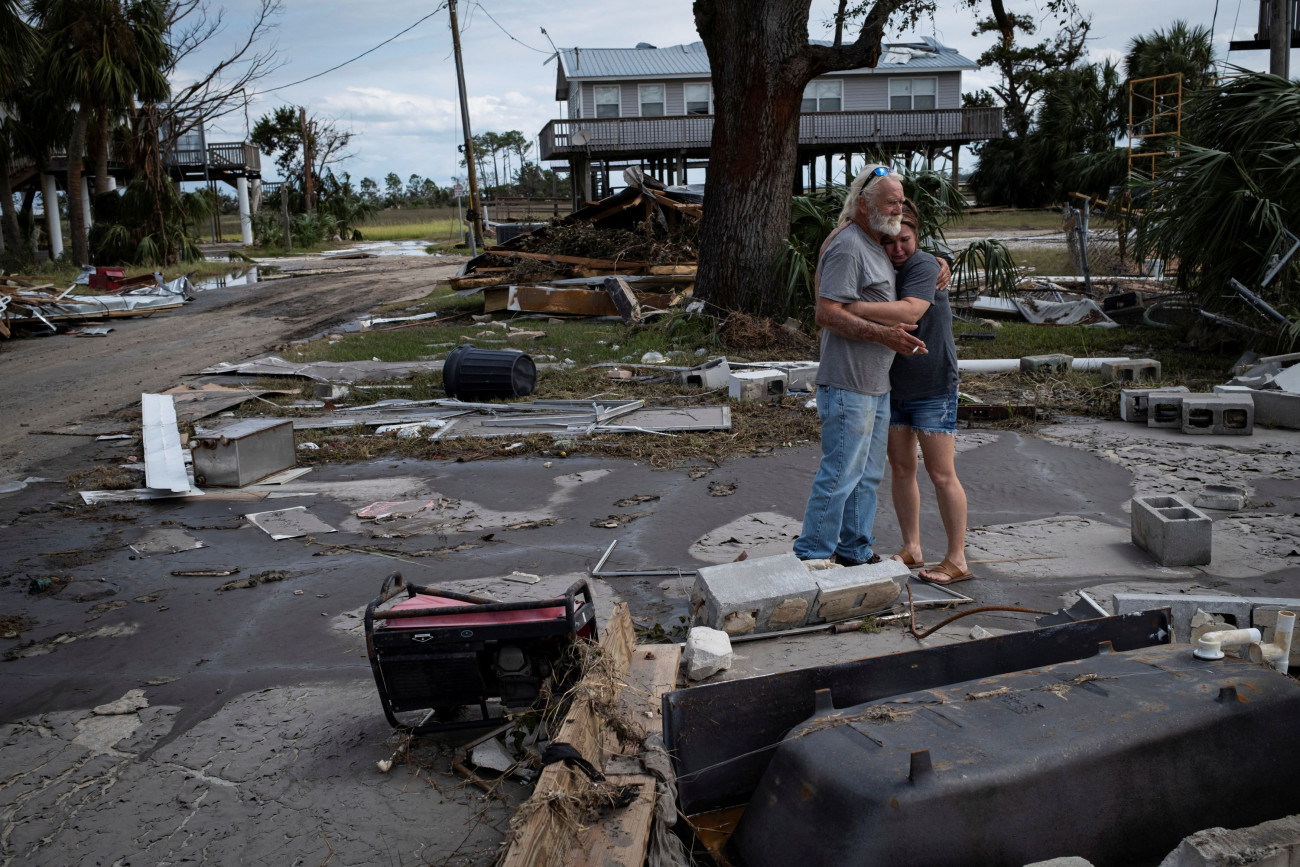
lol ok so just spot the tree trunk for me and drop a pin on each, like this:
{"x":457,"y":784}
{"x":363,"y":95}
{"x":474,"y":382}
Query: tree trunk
{"x":760,"y":60}
{"x":758,"y":56}
{"x":8,"y":215}
{"x":100,"y":161}
{"x":76,"y":215}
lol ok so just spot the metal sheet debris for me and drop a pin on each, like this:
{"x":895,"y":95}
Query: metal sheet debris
{"x":165,"y":540}
{"x":134,"y":495}
{"x":326,"y":371}
{"x":290,"y":523}
{"x":164,"y":465}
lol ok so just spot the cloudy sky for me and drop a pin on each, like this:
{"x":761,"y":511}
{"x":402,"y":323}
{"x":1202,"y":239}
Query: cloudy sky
{"x":401,"y":101}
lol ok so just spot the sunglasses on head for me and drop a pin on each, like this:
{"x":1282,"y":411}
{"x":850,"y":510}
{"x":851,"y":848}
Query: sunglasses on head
{"x":879,"y":172}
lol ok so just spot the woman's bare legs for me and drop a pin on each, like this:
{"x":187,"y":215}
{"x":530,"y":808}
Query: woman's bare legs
{"x":938,"y":450}
{"x":906,"y":494}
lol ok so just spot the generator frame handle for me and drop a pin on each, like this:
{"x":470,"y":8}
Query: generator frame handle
{"x":393,"y":585}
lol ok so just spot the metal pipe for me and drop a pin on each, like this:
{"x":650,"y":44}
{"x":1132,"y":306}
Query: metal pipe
{"x":1210,"y":645}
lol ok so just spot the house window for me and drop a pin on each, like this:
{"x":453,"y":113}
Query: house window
{"x":908,"y":93}
{"x":698,"y":99}
{"x":823,"y":96}
{"x":652,"y":100}
{"x":607,"y":100}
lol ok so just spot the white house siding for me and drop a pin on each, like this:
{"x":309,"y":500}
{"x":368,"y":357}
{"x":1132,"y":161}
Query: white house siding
{"x":865,"y":92}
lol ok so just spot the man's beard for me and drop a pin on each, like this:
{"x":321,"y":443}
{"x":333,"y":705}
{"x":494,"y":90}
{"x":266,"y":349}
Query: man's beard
{"x":885,"y":224}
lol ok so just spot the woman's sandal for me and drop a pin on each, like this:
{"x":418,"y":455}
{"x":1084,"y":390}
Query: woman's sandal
{"x":906,"y":559}
{"x":950,"y":572}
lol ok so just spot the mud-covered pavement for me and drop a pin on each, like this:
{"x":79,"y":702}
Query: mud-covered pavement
{"x":154,"y":718}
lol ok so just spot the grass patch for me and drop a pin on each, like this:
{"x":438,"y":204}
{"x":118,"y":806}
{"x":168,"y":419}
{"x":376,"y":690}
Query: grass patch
{"x":1027,"y":219}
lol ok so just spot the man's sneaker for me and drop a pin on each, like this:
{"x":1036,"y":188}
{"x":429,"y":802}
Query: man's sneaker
{"x":847,"y":561}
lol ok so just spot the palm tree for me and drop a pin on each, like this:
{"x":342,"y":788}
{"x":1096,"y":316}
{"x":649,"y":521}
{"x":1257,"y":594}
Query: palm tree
{"x":1223,"y":203}
{"x":1181,"y":48}
{"x":100,"y":55}
{"x":21,"y":44}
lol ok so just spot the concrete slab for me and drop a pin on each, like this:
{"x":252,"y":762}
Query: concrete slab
{"x":763,"y":594}
{"x":1065,"y":546}
{"x":762,"y":534}
{"x":1271,"y":844}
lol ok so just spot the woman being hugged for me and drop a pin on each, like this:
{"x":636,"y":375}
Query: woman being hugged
{"x":923,"y":406}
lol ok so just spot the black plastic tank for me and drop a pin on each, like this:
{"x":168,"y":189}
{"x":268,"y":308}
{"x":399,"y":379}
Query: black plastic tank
{"x":471,"y":374}
{"x":1114,"y":759}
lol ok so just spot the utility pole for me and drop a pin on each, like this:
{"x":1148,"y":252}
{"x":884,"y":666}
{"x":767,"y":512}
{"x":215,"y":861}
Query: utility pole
{"x":475,"y":218}
{"x":1279,"y":38}
{"x":308,"y":193}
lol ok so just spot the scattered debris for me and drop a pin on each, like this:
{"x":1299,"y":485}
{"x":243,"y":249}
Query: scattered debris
{"x":613,"y":522}
{"x":165,"y":540}
{"x":289,"y":523}
{"x":14,"y":625}
{"x":268,"y":577}
{"x":708,"y":651}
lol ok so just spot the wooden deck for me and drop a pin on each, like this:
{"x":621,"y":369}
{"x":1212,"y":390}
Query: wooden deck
{"x":819,"y":132}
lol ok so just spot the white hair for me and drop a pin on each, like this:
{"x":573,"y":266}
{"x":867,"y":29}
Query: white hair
{"x":860,"y":187}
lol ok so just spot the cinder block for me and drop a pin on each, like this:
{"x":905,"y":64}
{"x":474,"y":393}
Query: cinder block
{"x":1228,"y":498}
{"x":756,"y":385}
{"x":857,"y":590}
{"x":1222,"y":414}
{"x":801,"y":375}
{"x":713,"y":373}
{"x":1133,"y":370}
{"x":1134,"y":403}
{"x":1182,"y":607}
{"x":1264,"y":618}
{"x":1172,"y":531}
{"x":330,"y":391}
{"x":1233,"y":389}
{"x":1165,"y":408}
{"x":763,"y":594}
{"x":1277,"y":408}
{"x":1044,"y":363}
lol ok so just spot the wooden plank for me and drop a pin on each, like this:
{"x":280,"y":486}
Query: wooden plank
{"x":542,"y":839}
{"x":527,"y":298}
{"x":621,"y":838}
{"x":568,"y":260}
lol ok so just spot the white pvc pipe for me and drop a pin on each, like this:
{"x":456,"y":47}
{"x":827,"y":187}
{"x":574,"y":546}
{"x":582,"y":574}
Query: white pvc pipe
{"x":245,"y":215}
{"x":1007,"y":365}
{"x":50,"y":196}
{"x":1278,"y":653}
{"x":1211,"y":644}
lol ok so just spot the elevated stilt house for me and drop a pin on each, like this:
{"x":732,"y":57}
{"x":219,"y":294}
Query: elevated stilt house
{"x":653,"y":107}
{"x":193,"y":158}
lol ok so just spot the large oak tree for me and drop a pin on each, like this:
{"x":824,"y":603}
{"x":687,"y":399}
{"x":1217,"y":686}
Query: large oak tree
{"x":761,"y":59}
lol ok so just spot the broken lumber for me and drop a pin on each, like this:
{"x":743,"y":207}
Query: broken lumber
{"x":621,"y":294}
{"x":543,"y":838}
{"x":568,"y":260}
{"x":623,"y":837}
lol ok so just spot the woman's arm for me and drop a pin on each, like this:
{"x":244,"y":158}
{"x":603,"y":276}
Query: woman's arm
{"x":905,"y":311}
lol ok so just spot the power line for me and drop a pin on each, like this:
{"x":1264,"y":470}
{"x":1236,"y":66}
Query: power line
{"x":361,"y":55}
{"x":507,"y":32}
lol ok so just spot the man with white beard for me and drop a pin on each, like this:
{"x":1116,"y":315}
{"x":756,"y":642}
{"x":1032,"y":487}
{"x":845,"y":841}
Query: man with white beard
{"x":853,"y":377}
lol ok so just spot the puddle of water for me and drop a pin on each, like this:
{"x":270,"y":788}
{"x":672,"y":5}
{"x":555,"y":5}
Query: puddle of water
{"x":384,"y":248}
{"x":235,"y":278}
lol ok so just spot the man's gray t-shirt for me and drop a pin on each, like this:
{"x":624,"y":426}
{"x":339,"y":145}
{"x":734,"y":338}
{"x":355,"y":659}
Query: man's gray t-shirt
{"x":854,"y":268}
{"x":920,"y":376}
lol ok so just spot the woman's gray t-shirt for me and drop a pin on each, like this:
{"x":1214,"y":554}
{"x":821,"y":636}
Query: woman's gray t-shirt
{"x":854,"y":268}
{"x":913,"y":377}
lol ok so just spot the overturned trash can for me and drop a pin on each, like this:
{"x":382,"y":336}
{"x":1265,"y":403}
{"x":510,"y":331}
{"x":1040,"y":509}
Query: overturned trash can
{"x":470,"y":373}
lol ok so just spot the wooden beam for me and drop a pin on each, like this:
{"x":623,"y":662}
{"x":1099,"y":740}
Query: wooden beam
{"x":621,"y":839}
{"x":543,"y":839}
{"x":567,"y":260}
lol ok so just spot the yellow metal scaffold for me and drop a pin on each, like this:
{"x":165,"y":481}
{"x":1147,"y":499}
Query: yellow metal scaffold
{"x":1155,"y":121}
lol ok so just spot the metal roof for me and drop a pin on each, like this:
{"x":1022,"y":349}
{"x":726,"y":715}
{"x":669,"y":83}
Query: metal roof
{"x":692,"y":60}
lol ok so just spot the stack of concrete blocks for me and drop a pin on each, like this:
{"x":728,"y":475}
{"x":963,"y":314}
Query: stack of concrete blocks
{"x":770,"y":594}
{"x":756,"y":385}
{"x":713,"y":373}
{"x":1046,"y":363}
{"x":1171,"y":530}
{"x":1185,"y":609}
{"x":1134,"y":403}
{"x":1165,"y":408}
{"x":1132,"y":370}
{"x":1220,"y":414}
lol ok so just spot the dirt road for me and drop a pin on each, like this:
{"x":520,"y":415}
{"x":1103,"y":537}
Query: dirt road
{"x":50,"y":382}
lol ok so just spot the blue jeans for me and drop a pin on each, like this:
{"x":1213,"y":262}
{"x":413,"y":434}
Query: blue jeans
{"x":841,"y":509}
{"x":936,"y":415}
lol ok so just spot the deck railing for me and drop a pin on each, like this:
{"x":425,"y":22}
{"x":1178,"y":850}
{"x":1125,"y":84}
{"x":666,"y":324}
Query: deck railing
{"x":612,"y":135}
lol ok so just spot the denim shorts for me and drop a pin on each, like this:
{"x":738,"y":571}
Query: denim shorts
{"x":936,"y":414}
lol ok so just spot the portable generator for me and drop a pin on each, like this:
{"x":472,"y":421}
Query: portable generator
{"x":438,"y":651}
